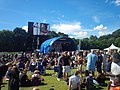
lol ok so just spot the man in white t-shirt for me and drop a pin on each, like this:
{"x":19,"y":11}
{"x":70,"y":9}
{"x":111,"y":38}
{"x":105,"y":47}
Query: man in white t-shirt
{"x":74,"y":82}
{"x":113,"y":70}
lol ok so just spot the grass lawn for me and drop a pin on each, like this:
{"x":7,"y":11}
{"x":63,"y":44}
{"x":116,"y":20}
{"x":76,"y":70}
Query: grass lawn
{"x":50,"y":80}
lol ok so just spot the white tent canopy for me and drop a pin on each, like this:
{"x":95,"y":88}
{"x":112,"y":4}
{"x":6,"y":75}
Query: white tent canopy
{"x":112,"y":47}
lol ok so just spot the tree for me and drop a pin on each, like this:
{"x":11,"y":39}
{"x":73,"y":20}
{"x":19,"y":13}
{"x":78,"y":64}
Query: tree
{"x":85,"y":44}
{"x":117,"y":41}
{"x":20,"y":39}
{"x":62,"y":34}
{"x":6,"y":40}
{"x":116,"y":33}
{"x":92,"y":42}
{"x":105,"y":37}
{"x":53,"y":34}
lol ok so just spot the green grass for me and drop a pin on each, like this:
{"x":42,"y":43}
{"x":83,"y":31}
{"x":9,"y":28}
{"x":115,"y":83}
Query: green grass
{"x":50,"y":80}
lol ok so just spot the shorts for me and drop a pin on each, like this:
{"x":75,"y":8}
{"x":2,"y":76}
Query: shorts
{"x":66,"y":69}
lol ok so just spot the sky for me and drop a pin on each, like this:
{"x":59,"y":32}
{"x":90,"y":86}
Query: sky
{"x":77,"y":18}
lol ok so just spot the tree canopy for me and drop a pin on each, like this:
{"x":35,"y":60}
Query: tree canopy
{"x":20,"y":40}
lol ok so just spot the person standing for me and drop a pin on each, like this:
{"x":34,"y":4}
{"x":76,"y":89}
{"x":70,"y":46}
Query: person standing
{"x":60,"y":67}
{"x":104,"y":61}
{"x":13,"y":83}
{"x":80,"y":63}
{"x":66,"y":65}
{"x":91,"y":61}
{"x":99,"y":62}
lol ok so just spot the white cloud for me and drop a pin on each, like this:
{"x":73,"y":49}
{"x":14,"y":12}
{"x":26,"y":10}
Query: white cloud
{"x":101,"y":33}
{"x":116,"y":2}
{"x":81,"y":34}
{"x":25,"y":28}
{"x":95,"y":19}
{"x":71,"y":36}
{"x":73,"y":29}
{"x":100,"y":27}
{"x":67,"y":28}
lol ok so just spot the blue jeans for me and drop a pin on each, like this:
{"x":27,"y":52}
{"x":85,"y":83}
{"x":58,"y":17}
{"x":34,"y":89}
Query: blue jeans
{"x":60,"y":71}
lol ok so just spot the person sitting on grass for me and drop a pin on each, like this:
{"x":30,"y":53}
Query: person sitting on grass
{"x":101,"y":79}
{"x":24,"y":80}
{"x":40,"y":67}
{"x":32,"y":65}
{"x":89,"y":80}
{"x":21,"y":65}
{"x":13,"y":75}
{"x":74,"y":81}
{"x":36,"y":78}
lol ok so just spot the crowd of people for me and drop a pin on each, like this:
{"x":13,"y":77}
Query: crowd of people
{"x":92,"y":68}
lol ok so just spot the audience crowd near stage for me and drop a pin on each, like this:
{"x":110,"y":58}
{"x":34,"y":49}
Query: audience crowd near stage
{"x":92,"y":69}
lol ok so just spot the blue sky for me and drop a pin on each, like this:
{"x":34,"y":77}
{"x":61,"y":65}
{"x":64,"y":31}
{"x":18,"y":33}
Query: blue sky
{"x":77,"y":18}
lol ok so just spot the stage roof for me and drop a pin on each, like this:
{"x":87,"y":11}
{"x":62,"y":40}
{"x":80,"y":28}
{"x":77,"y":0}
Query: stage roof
{"x":45,"y":46}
